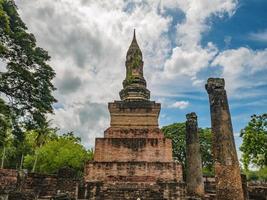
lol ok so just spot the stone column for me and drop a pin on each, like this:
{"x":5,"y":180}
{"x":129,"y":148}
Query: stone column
{"x":194,"y":177}
{"x":227,"y":171}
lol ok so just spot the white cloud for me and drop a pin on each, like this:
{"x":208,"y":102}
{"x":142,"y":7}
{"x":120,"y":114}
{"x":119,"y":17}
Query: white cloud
{"x":88,"y":40}
{"x":197,"y":15}
{"x":260,"y":36}
{"x":87,"y":119}
{"x":188,"y":62}
{"x":189,"y":57}
{"x":239,"y":66}
{"x":180,"y":104}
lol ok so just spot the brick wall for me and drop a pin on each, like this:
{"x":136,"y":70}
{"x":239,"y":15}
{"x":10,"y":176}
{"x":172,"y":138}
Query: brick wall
{"x":40,"y":184}
{"x":133,"y":191}
{"x":133,"y":149}
{"x":133,"y":171}
{"x":8,"y":179}
{"x":35,"y":184}
{"x":134,"y":114}
{"x":257,"y":190}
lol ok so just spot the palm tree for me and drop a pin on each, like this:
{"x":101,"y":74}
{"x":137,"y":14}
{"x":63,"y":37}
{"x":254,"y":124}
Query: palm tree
{"x":43,"y":135}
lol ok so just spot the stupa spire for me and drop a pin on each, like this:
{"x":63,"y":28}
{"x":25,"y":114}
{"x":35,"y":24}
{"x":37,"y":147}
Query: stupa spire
{"x":134,"y":85}
{"x":134,"y":49}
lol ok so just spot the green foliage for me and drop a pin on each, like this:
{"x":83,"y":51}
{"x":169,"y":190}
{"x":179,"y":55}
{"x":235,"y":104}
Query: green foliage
{"x":177,"y":132}
{"x":205,"y":148}
{"x":27,"y":81}
{"x":260,"y":175}
{"x":5,"y":122}
{"x":254,"y":145}
{"x":62,"y":151}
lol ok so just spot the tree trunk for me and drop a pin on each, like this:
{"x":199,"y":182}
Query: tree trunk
{"x":21,"y":161}
{"x":35,"y":162}
{"x":3,"y":157}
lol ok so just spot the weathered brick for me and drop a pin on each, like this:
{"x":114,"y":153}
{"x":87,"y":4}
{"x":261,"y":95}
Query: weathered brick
{"x":194,"y":179}
{"x":133,"y":160}
{"x":227,"y":170}
{"x":133,"y":149}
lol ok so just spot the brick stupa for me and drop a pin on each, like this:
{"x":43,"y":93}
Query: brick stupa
{"x":134,"y":160}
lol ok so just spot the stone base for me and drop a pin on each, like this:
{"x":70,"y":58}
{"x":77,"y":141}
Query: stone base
{"x":135,"y":191}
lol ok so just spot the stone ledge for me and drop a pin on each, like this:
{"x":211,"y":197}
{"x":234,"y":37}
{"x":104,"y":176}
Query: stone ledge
{"x":133,"y":133}
{"x":134,"y":105}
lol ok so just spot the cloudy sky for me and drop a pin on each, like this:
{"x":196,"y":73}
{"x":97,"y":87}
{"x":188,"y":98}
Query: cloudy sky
{"x":183,"y":43}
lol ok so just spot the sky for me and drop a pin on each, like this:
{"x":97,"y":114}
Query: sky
{"x":183,"y":44}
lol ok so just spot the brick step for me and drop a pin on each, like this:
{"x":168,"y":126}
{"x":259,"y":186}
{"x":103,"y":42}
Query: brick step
{"x":133,"y":191}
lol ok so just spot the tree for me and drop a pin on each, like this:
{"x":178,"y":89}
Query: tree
{"x":27,"y":80}
{"x":38,"y":137}
{"x":63,"y":151}
{"x":5,"y":121}
{"x":254,"y":145}
{"x":5,"y":127}
{"x":176,"y":132}
{"x":205,"y":140}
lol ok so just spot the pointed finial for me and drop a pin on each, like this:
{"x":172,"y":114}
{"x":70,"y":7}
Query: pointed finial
{"x":134,"y":46}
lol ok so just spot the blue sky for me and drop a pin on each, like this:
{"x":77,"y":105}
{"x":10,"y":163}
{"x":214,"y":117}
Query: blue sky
{"x":183,"y":43}
{"x":239,"y":30}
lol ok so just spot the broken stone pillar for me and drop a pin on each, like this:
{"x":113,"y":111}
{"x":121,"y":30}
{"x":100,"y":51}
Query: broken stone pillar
{"x":194,"y":177}
{"x":227,"y":171}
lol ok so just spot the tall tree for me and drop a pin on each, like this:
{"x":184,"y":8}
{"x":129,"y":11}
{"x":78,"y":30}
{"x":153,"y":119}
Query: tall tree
{"x":26,"y":82}
{"x":41,"y":137}
{"x":5,"y":121}
{"x":254,"y":145}
{"x":5,"y":127}
{"x":176,"y":132}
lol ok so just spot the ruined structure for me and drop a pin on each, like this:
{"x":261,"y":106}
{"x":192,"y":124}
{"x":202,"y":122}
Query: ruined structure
{"x":227,"y":171}
{"x":18,"y":185}
{"x":134,"y":160}
{"x":194,"y":177}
